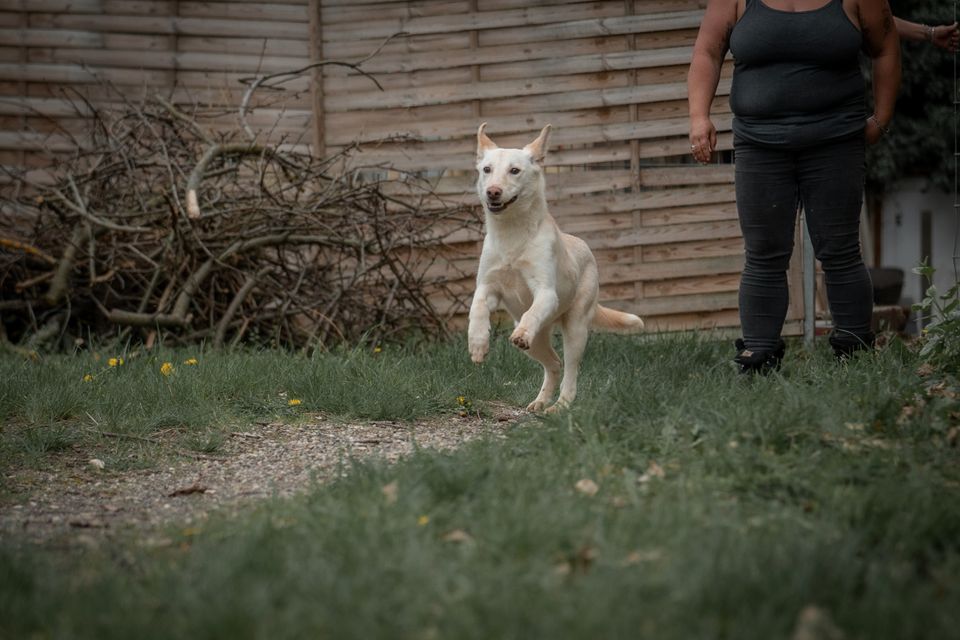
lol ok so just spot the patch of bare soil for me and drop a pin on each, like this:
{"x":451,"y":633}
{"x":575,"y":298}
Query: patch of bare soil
{"x":76,"y":503}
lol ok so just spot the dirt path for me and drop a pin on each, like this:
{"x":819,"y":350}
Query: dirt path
{"x":73,"y":502}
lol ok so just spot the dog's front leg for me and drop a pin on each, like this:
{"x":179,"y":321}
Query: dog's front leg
{"x":544,"y":306}
{"x":478,"y":331}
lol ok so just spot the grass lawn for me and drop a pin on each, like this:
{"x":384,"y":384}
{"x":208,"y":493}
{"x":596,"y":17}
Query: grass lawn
{"x":677,"y":499}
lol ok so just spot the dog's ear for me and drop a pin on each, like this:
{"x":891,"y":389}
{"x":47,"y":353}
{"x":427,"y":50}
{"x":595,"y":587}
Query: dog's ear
{"x":538,"y":148}
{"x":483,"y":142}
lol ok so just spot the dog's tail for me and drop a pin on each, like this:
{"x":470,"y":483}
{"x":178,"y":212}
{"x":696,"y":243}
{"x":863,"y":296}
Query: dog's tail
{"x":614,"y":321}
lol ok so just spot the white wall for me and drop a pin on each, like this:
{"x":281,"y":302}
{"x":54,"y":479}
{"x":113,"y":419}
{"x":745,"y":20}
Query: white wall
{"x":901,"y":236}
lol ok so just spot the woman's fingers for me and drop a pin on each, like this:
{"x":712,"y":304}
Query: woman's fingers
{"x":703,"y":139}
{"x":701,"y":149}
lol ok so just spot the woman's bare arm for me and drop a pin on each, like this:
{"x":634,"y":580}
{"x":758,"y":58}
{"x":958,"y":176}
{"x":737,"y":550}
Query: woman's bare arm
{"x":882,"y":44}
{"x":712,"y":44}
{"x":945,"y":36}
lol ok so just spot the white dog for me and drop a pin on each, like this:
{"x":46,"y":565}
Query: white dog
{"x":541,"y":275}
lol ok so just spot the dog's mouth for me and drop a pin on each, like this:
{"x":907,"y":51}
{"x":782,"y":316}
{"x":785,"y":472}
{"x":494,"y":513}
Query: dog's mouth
{"x":498,"y":206}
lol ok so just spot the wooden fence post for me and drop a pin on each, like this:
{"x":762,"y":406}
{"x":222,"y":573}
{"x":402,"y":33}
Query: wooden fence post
{"x":316,"y":79}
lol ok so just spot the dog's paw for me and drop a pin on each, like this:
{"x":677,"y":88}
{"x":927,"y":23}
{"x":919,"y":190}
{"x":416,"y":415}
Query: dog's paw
{"x":536,"y":406}
{"x":557,"y":407}
{"x":521,"y":338}
{"x":479,"y":350}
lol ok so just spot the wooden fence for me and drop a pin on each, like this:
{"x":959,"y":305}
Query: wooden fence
{"x":610,"y":76}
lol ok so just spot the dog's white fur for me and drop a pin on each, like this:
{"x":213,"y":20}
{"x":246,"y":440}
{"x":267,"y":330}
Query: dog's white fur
{"x":539,"y":274}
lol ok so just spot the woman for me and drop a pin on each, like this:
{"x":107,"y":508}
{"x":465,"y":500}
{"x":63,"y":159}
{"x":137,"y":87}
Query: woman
{"x":800,"y":128}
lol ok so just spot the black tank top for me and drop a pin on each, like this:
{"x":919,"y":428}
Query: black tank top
{"x":796,"y":76}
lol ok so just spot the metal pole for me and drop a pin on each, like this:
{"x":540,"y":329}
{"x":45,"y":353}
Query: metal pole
{"x":809,"y":286}
{"x":956,"y":164}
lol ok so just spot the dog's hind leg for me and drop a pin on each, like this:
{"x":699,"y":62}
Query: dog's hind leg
{"x":542,"y":351}
{"x":575,"y":331}
{"x":575,"y":327}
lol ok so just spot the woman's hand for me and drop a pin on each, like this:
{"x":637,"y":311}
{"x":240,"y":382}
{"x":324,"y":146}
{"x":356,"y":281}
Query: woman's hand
{"x":703,"y":139}
{"x":946,"y":36}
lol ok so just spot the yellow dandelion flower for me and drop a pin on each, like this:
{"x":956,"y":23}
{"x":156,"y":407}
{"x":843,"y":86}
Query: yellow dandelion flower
{"x":115,"y":362}
{"x":293,"y":402}
{"x":461,"y":400}
{"x":166,"y":368}
{"x":423,"y":521}
{"x":191,"y":362}
{"x":88,"y":378}
{"x":377,"y":349}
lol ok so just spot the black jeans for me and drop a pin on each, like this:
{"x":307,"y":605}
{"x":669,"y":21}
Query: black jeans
{"x":828,"y":181}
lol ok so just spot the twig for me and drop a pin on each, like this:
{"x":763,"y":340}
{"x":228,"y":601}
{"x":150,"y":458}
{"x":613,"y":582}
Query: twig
{"x":257,"y":81}
{"x":26,"y":248}
{"x":26,"y":284}
{"x":80,"y":208}
{"x":235,"y":305}
{"x":182,"y":117}
{"x":58,"y":286}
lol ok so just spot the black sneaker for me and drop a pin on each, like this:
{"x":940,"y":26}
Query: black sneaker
{"x":845,"y":345}
{"x":756,"y":361}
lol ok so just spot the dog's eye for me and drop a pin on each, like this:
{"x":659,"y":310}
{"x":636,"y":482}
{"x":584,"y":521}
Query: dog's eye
{"x":515,"y":171}
{"x":486,"y":169}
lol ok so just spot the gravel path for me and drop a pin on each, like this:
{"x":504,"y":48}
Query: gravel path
{"x":73,"y":502}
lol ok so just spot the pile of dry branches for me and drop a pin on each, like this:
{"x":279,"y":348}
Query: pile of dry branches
{"x":158,"y":228}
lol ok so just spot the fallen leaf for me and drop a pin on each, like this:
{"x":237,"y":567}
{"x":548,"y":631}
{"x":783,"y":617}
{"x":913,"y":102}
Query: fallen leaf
{"x":97,"y":463}
{"x":186,"y":491}
{"x":246,"y":434}
{"x":814,"y":623}
{"x":86,"y":521}
{"x":584,"y":558}
{"x":390,"y":492}
{"x":457,"y":535}
{"x":654,"y":470}
{"x":636,"y":557}
{"x":942,"y":390}
{"x":587,"y":487}
{"x":618,"y":502}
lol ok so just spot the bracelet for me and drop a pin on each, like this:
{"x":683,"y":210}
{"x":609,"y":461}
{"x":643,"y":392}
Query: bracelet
{"x":883,"y":130}
{"x":927,"y":32}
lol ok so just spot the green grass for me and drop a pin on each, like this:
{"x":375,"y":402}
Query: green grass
{"x":813,"y":487}
{"x":48,"y":407}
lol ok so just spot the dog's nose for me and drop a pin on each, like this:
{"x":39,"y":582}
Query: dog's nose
{"x":494,"y":193}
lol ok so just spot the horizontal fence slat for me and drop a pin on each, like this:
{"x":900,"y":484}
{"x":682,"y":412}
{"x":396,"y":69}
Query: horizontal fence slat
{"x":476,"y":21}
{"x":595,"y":95}
{"x":166,"y":60}
{"x":171,"y":25}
